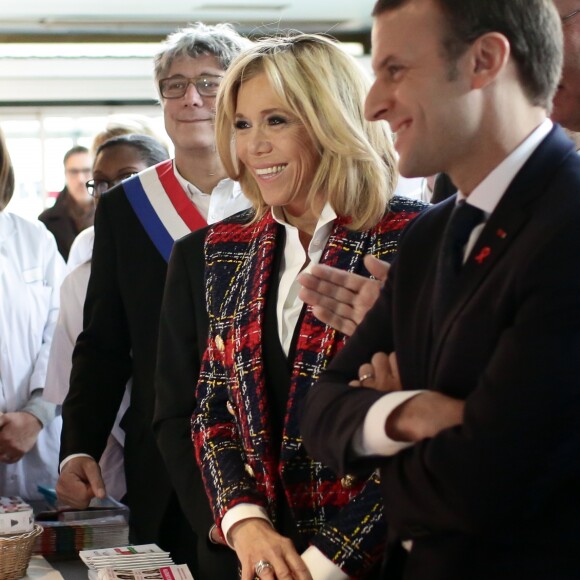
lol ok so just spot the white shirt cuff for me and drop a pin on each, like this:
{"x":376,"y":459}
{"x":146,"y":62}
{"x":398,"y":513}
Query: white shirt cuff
{"x":72,"y":456}
{"x":320,"y":567}
{"x":241,"y":511}
{"x":371,"y":438}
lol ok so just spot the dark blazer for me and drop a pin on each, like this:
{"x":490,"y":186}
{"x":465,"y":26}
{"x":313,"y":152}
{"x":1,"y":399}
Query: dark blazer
{"x":119,"y":340}
{"x":496,"y":497}
{"x":245,"y":425}
{"x":60,"y":223}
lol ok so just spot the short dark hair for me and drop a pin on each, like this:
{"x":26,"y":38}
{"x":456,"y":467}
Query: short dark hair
{"x":532,"y":28}
{"x":6,"y":174}
{"x":150,"y":150}
{"x":74,"y":151}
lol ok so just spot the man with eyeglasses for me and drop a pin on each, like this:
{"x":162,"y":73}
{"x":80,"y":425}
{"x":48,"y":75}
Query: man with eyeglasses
{"x":567,"y":100}
{"x":136,"y":225}
{"x":74,"y":209}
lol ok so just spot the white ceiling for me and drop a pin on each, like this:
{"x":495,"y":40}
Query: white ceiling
{"x":158,"y":17}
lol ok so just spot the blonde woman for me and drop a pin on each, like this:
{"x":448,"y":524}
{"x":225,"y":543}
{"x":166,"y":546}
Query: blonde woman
{"x":290,"y":128}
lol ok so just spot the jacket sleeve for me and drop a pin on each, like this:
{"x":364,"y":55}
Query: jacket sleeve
{"x":182,"y":340}
{"x":102,"y":355}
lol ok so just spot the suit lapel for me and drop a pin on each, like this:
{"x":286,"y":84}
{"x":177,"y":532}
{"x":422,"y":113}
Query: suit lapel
{"x":504,"y":224}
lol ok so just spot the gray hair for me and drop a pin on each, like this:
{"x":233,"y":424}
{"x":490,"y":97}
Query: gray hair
{"x":219,"y":40}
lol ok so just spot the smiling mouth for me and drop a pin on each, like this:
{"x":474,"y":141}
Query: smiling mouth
{"x":270,"y":171}
{"x":401,"y":127}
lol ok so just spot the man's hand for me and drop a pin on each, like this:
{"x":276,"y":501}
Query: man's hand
{"x":382,"y":373}
{"x":255,"y":540}
{"x":80,"y":480}
{"x":424,"y":416}
{"x":341,"y":299}
{"x":18,"y":434}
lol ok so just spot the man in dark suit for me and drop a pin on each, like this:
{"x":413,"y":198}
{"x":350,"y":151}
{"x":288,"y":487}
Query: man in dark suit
{"x":478,"y":452}
{"x":135,"y":227}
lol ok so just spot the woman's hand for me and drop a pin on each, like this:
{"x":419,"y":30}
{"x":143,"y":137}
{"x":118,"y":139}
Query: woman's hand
{"x":255,"y":540}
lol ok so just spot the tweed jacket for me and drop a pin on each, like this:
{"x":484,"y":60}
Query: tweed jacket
{"x":231,"y":428}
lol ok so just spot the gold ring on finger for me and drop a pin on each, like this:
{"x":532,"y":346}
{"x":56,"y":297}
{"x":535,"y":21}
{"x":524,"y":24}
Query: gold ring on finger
{"x":366,"y":376}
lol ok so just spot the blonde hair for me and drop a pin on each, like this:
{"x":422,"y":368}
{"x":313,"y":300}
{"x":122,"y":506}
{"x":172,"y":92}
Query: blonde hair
{"x":118,"y":125}
{"x":325,"y":88}
{"x":6,"y":174}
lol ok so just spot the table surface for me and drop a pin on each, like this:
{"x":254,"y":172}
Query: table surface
{"x":70,"y":569}
{"x":50,"y":568}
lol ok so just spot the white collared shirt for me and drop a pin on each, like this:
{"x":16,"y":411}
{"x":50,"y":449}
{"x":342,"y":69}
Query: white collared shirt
{"x":370,"y":440}
{"x":225,"y":199}
{"x":289,"y":305}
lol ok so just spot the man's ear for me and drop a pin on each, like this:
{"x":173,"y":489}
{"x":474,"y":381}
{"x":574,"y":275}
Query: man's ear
{"x":490,"y":54}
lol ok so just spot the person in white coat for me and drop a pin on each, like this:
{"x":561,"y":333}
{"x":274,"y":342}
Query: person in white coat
{"x":31,"y":271}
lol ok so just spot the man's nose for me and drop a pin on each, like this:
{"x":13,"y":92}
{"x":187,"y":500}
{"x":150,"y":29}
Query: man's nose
{"x":192,"y":96}
{"x":377,"y":102}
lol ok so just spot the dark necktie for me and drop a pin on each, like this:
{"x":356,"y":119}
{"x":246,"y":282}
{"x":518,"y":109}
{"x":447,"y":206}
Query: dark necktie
{"x":463,"y":219}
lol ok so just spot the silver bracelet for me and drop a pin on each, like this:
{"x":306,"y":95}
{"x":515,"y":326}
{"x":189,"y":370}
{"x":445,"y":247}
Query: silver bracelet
{"x":214,"y":527}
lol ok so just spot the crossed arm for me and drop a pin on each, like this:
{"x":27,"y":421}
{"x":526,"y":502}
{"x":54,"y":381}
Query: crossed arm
{"x":342,"y":299}
{"x":419,"y":417}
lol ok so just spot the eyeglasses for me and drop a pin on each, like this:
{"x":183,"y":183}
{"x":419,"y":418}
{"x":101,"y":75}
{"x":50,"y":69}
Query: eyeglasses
{"x":96,"y":187}
{"x":567,"y":17}
{"x":176,"y":87}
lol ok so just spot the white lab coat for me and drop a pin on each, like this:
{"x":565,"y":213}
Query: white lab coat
{"x":70,"y":324}
{"x":31,"y":271}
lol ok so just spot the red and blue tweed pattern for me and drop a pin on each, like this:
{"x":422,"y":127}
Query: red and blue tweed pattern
{"x":231,"y":424}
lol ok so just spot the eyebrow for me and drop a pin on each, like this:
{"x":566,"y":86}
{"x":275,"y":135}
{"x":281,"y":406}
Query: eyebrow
{"x":268,"y":112}
{"x":121,"y":170}
{"x":384,"y":62}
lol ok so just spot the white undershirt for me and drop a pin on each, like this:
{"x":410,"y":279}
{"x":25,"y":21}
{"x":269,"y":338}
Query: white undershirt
{"x":289,"y":306}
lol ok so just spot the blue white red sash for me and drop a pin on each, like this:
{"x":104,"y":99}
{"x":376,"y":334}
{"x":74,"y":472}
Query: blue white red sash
{"x":162,"y":206}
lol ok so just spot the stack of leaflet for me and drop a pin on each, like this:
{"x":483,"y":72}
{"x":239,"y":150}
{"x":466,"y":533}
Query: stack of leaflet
{"x":144,"y":562}
{"x":67,"y":531}
{"x":15,"y":516}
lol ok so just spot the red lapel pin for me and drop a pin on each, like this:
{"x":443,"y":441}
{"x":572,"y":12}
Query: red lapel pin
{"x":501,"y":234}
{"x":483,"y":254}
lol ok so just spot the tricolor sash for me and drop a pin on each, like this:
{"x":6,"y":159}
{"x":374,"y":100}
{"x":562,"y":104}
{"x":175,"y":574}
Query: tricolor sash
{"x":162,"y":206}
